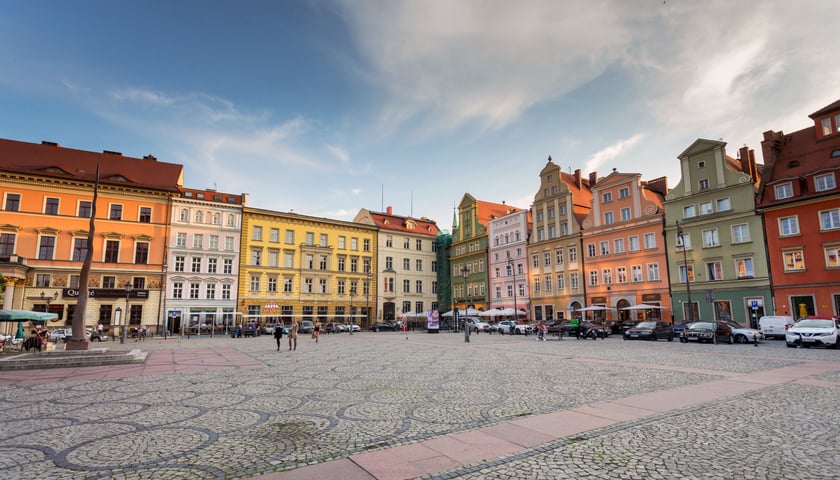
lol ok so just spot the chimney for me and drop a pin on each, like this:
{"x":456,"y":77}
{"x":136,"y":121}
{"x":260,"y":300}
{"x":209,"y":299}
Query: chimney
{"x":593,"y":179}
{"x":111,"y":152}
{"x":150,"y":157}
{"x":577,"y":179}
{"x":744,"y":155}
{"x":389,"y":210}
{"x":49,"y":144}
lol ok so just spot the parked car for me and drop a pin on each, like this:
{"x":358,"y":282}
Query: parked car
{"x":775,"y":326}
{"x":249,"y":330}
{"x":741,"y":334}
{"x":814,"y":332}
{"x":334,"y":327}
{"x":650,"y":331}
{"x":384,"y":327}
{"x":96,"y":336}
{"x":477,"y":325}
{"x":353,"y":328}
{"x":512,"y":327}
{"x":705,"y":332}
{"x":306,"y":326}
{"x":59,"y":334}
{"x":268,"y":329}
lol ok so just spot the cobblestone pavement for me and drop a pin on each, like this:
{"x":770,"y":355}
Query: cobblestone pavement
{"x":353,"y":394}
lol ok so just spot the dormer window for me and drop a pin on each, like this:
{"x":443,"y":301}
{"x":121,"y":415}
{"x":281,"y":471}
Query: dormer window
{"x":826,"y":126}
{"x":784,"y":191}
{"x":824,"y":182}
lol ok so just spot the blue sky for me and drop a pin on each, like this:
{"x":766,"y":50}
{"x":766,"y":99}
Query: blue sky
{"x":326,"y":107}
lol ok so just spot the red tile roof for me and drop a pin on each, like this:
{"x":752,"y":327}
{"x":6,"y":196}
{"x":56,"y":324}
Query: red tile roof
{"x":51,"y":160}
{"x":398,"y":223}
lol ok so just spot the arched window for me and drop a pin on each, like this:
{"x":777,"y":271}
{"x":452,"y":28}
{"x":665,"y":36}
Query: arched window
{"x":217,"y":218}
{"x":185,"y":215}
{"x":199,"y":217}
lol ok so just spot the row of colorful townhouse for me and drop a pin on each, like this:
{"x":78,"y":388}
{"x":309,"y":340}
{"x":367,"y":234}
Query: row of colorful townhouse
{"x":190,"y":261}
{"x":732,"y":240}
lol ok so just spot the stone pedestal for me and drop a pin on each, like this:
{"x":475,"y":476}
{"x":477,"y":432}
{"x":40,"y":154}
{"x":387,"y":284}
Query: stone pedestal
{"x":74,"y":344}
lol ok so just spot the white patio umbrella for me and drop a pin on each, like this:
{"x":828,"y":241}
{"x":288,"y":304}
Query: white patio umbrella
{"x":592,"y":308}
{"x":493,"y":312}
{"x":641,"y":306}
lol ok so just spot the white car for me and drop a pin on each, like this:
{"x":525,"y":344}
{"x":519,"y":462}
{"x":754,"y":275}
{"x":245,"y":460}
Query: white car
{"x":814,"y":332}
{"x":511,"y":327}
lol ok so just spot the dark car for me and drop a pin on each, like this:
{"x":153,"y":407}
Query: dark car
{"x":384,"y":327}
{"x":306,"y":326}
{"x":622,"y":326}
{"x":650,"y":331}
{"x":249,"y":331}
{"x":705,"y":332}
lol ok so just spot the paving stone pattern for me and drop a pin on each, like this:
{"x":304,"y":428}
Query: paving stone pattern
{"x":351,"y":394}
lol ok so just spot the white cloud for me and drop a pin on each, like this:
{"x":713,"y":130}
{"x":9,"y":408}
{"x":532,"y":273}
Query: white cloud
{"x":339,"y":153}
{"x":612,"y":152}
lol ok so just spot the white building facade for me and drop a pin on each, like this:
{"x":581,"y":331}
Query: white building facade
{"x":508,"y":261}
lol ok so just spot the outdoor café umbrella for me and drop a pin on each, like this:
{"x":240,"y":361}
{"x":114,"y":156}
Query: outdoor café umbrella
{"x":641,"y":306}
{"x":19,"y":333}
{"x":24,"y":315}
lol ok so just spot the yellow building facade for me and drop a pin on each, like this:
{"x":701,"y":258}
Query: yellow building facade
{"x":308,"y":268}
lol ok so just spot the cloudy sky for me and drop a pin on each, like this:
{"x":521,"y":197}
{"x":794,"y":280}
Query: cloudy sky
{"x":324,"y":107}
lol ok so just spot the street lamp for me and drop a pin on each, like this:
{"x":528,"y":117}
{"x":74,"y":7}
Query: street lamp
{"x":352,"y":292}
{"x":681,"y":234}
{"x":465,"y":272}
{"x":367,"y":299}
{"x":127,"y":314}
{"x":513,"y":269}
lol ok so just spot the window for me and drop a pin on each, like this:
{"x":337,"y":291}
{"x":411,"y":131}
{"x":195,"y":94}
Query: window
{"x":354,"y":244}
{"x":254,"y":284}
{"x":653,"y":272}
{"x":199,"y":217}
{"x":608,"y":218}
{"x":618,"y":245}
{"x":322,"y":285}
{"x":84,"y":209}
{"x":418,"y":265}
{"x":212,"y":265}
{"x":196,"y":265}
{"x":634,"y":243}
{"x":605,"y":248}
{"x":710,"y":238}
{"x":214,"y":242}
{"x":51,"y":206}
{"x":418,"y":286}
{"x":226,"y":291}
{"x":210,"y":291}
{"x":574,"y":281}
{"x":714,"y":272}
{"x":788,"y":226}
{"x":323,"y":240}
{"x":289,"y":259}
{"x":793,"y":260}
{"x":830,"y":219}
{"x":354,"y":264}
{"x":784,"y":191}
{"x":607,"y":197}
{"x":256,"y":256}
{"x":178,"y":290}
{"x":740,"y":233}
{"x":79,"y":249}
{"x":558,"y":256}
{"x":194,"y":288}
{"x":650,"y":240}
{"x":7,"y":246}
{"x":109,"y":281}
{"x":256,"y":233}
{"x":406,"y":264}
{"x":825,"y":123}
{"x":309,"y":261}
{"x":547,"y":259}
{"x":824,"y":182}
{"x":42,"y":280}
{"x":621,"y":274}
{"x":217,"y":218}
{"x":112,"y":251}
{"x":46,"y":247}
{"x":591,"y":251}
{"x":625,"y":214}
{"x":116,"y":212}
{"x":181,"y":239}
{"x":624,"y":192}
{"x":322,"y":262}
{"x":145,"y":215}
{"x":547,"y":284}
{"x":141,"y":253}
{"x":407,"y":286}
{"x":706,"y":208}
{"x":13,"y":202}
{"x":366,"y":245}
{"x":535,"y":261}
{"x":593,"y":278}
{"x":310,"y":238}
{"x":606,"y":276}
{"x":703,"y":184}
{"x":832,"y":257}
{"x":227,"y":266}
{"x":686,"y":270}
{"x":389,"y":263}
{"x":198,"y":240}
{"x":418,"y":245}
{"x":274,"y":235}
{"x":342,"y":263}
{"x":744,"y":268}
{"x":689,"y":211}
{"x":560,"y":283}
{"x":229,"y":243}
{"x":551,"y":212}
{"x":290,"y":237}
{"x":287,"y":285}
{"x":573,"y":255}
{"x":636,"y":273}
{"x":180,"y":261}
{"x":723,"y":204}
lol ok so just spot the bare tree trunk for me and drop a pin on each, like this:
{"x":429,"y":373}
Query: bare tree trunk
{"x":79,"y":340}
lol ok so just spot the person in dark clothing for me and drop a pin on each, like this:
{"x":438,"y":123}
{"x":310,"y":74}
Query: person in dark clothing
{"x":278,"y":334}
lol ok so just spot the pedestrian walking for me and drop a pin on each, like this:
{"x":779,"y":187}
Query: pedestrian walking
{"x":293,"y":332}
{"x":316,"y":332}
{"x":278,"y":335}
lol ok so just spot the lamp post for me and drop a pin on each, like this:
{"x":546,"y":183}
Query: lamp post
{"x":127,"y":313}
{"x":513,"y":269}
{"x":465,"y":272}
{"x":352,"y":292}
{"x":367,"y":299}
{"x":681,"y":234}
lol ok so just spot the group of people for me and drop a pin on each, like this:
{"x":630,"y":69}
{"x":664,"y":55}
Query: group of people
{"x":37,"y":339}
{"x":293,"y":334}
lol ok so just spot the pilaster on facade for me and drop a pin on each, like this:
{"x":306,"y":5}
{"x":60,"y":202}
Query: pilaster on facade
{"x":468,"y":252}
{"x":407,"y":256}
{"x":555,"y":267}
{"x":800,"y":205}
{"x":203,"y":262}
{"x":309,"y":268}
{"x":47,"y":194}
{"x":721,"y":250}
{"x":623,"y":249}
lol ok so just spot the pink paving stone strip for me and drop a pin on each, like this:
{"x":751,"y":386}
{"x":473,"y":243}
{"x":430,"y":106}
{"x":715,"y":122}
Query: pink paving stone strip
{"x":524,"y":437}
{"x":404,"y":461}
{"x":344,"y":469}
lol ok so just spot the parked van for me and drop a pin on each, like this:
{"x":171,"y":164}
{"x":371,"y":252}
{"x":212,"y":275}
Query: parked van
{"x":774,"y":325}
